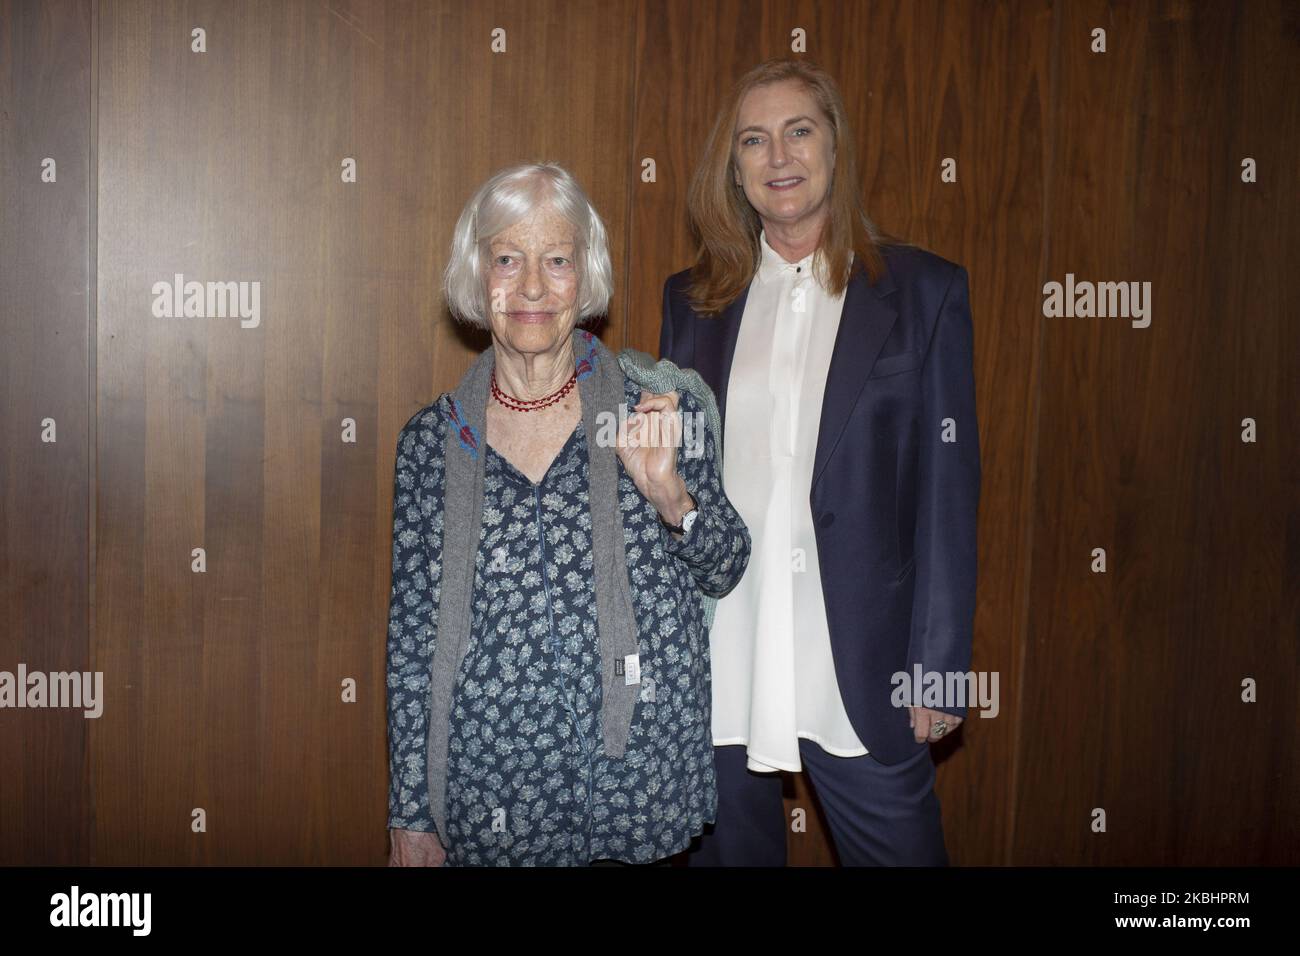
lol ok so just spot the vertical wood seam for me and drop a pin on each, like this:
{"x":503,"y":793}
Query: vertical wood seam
{"x":1036,"y":398}
{"x":89,"y":828}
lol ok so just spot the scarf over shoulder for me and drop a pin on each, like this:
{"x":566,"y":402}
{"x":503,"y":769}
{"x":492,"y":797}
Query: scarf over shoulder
{"x":601,"y":390}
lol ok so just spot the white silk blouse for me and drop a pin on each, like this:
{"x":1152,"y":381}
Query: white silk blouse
{"x":773,"y":674}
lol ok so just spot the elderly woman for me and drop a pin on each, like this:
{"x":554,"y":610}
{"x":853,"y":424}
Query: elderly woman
{"x":548,"y":669}
{"x":844,"y":370}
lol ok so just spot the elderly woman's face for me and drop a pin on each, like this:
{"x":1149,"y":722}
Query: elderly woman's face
{"x":533,"y":283}
{"x":784,"y":151}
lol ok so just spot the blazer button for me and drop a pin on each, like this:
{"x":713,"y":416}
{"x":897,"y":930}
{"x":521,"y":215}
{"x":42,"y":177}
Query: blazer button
{"x":827,"y":519}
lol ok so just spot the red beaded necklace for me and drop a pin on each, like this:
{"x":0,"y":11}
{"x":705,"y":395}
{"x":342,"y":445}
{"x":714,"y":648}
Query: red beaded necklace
{"x":531,"y":404}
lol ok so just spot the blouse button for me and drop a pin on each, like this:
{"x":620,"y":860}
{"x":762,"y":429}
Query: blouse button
{"x":827,"y":519}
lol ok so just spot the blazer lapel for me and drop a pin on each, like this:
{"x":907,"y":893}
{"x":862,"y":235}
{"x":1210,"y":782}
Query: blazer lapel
{"x":715,"y":345}
{"x":868,"y":315}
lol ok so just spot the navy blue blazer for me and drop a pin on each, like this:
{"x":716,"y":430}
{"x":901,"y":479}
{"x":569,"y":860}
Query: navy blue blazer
{"x":893,"y":504}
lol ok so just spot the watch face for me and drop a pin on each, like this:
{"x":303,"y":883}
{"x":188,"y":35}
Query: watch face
{"x":689,"y":520}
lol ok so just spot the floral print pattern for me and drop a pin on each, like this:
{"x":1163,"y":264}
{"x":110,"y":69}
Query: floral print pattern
{"x":528,"y":782}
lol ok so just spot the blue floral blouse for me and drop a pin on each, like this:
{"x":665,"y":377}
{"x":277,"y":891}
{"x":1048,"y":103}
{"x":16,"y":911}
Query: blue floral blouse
{"x":527,"y":780}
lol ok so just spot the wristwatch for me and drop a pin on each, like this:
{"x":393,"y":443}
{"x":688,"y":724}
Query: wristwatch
{"x":687,"y":520}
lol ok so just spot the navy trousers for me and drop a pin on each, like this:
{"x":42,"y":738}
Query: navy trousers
{"x":878,"y":815}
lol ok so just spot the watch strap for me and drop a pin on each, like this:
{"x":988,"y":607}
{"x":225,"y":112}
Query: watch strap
{"x":677,"y":528}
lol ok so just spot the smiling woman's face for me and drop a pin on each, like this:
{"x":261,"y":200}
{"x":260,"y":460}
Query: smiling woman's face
{"x":785,"y":153}
{"x":533,"y":283}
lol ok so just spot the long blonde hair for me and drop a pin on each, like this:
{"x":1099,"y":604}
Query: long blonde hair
{"x":726,"y":227}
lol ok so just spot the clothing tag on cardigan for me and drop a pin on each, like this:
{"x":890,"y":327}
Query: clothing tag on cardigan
{"x":630,"y":668}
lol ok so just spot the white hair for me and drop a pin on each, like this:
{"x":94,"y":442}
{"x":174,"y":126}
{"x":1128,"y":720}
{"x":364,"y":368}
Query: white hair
{"x":509,"y":196}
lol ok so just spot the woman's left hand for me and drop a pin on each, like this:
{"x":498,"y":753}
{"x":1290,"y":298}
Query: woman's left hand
{"x":923,"y":721}
{"x":647,"y":446}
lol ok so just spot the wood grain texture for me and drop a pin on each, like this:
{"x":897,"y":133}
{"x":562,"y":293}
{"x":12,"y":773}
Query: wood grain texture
{"x":46,"y":810}
{"x":1132,"y":678}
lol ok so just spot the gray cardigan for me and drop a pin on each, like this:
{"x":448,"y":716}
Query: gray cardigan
{"x":664,"y":376}
{"x":601,"y":387}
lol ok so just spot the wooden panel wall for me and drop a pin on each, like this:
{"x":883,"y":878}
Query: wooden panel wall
{"x":1119,"y":691}
{"x":1132,"y":679}
{"x":46,"y":417}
